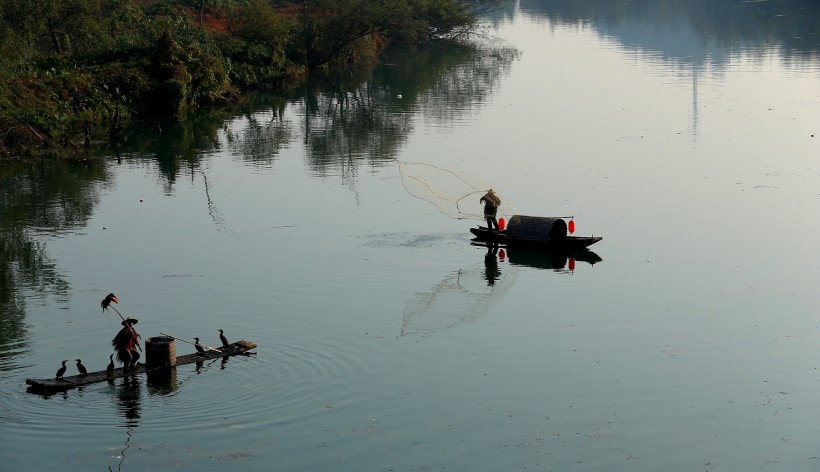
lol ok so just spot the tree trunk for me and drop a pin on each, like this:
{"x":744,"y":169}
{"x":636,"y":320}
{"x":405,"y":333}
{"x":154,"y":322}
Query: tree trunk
{"x":54,"y":35}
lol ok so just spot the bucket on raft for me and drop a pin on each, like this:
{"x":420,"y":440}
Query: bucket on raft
{"x":160,"y":351}
{"x":536,"y":228}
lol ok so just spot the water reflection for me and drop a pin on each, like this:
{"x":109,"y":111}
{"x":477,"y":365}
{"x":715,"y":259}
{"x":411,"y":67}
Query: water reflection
{"x":347,"y":121}
{"x":176,"y":146}
{"x":162,"y":382}
{"x":47,"y":197}
{"x":262,"y":131}
{"x":696,"y":31}
{"x":533,"y":258}
{"x":460,"y":297}
{"x":555,"y":261}
{"x":128,"y":399}
{"x":465,"y":295}
{"x":491,"y":272}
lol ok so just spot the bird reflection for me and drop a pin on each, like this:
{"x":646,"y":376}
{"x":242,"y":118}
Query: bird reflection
{"x":224,"y":362}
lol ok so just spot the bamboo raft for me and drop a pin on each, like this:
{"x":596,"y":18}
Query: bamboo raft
{"x":69,"y":382}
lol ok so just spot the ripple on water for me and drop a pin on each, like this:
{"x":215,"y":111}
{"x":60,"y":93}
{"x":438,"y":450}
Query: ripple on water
{"x":273,"y":385}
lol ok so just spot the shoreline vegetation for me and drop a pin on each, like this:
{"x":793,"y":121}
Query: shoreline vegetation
{"x":77,"y":71}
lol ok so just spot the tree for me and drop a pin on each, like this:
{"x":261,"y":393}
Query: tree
{"x":60,"y":24}
{"x":331,"y":28}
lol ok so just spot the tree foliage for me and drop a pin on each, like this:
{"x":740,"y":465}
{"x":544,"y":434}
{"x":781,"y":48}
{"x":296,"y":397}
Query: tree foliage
{"x":75,"y":69}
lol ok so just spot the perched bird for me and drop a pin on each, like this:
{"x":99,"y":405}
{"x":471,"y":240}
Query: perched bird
{"x":199,"y":348}
{"x":224,"y":340}
{"x":110,"y":369}
{"x":61,"y":370}
{"x":81,"y":368}
{"x":107,"y":301}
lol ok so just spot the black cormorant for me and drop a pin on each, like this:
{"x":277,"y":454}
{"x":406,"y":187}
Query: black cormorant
{"x":110,"y":369}
{"x":199,"y":348}
{"x":224,"y":340}
{"x":107,"y":301}
{"x":81,"y":368}
{"x":61,"y":371}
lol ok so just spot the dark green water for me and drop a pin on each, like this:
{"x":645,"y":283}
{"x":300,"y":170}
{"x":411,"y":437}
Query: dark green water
{"x":685,"y":135}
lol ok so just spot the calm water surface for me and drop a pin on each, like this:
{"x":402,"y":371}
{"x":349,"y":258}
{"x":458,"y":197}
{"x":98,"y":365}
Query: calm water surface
{"x":685,"y":133}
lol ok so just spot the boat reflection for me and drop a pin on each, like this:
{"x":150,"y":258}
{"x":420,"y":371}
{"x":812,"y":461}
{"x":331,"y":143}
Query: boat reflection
{"x":534,"y":258}
{"x":558,"y":262}
{"x":465,"y":295}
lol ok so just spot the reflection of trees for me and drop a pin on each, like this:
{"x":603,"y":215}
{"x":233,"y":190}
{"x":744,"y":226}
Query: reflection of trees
{"x":21,"y":259}
{"x":46,"y":197}
{"x":790,"y":25}
{"x":350,"y":124}
{"x":467,"y":86}
{"x":176,"y":145}
{"x":264,"y":134}
{"x":369,"y":120}
{"x":362,"y":117}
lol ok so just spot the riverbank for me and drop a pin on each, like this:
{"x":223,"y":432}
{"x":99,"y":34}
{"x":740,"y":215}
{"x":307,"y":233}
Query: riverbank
{"x":81,"y":71}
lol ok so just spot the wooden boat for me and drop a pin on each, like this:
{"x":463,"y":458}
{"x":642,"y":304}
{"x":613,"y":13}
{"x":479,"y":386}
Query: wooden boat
{"x":66,"y":383}
{"x":536,"y":232}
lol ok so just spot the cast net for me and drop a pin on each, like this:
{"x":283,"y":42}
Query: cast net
{"x":455,"y":194}
{"x":462,"y":297}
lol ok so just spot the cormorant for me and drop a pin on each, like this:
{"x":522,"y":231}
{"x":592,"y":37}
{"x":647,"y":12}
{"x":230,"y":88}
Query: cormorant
{"x":199,"y":348}
{"x":110,"y":369}
{"x":107,"y":301}
{"x":61,"y":371}
{"x":81,"y":368}
{"x":224,"y":340}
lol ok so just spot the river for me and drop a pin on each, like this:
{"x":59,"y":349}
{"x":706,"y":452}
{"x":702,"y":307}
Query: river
{"x":684,"y":133}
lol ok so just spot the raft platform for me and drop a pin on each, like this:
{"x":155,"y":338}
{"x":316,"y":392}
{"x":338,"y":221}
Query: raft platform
{"x":69,"y":382}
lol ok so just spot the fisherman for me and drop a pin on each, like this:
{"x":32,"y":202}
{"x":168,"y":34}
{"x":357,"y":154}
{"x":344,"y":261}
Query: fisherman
{"x":491,"y":204}
{"x":125,"y":344}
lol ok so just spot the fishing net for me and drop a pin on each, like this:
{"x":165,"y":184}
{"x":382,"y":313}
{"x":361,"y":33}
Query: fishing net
{"x":454,"y":194}
{"x":462,"y":297}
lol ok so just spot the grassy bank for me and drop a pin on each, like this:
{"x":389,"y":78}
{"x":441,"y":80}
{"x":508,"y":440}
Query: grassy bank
{"x":75,"y":71}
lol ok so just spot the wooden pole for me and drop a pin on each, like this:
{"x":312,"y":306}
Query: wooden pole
{"x":190,"y":342}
